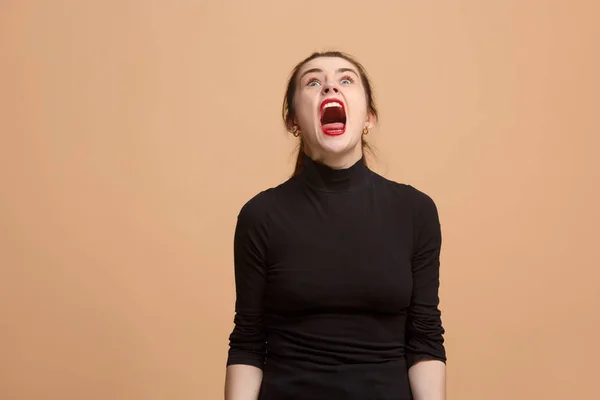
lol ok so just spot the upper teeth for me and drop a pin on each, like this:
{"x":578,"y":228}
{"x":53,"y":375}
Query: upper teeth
{"x":332,"y":104}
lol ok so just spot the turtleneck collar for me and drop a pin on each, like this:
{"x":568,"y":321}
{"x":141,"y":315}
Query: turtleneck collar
{"x":325,"y":178}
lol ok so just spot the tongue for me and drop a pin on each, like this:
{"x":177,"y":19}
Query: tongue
{"x":335,"y":126}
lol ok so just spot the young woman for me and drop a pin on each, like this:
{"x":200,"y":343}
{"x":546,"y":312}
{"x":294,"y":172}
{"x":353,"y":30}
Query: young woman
{"x":336,"y":269}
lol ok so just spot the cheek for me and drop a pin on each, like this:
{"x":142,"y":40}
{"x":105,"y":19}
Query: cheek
{"x":304,"y":107}
{"x":359,"y":110}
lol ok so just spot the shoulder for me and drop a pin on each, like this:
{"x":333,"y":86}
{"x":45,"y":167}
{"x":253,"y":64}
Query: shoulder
{"x":405,"y":192}
{"x":421,"y":204}
{"x":255,"y":210}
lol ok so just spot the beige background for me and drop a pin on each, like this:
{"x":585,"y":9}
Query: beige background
{"x":133,"y":131}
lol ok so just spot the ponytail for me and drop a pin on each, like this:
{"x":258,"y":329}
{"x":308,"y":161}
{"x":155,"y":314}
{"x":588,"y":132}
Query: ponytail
{"x":299,"y":158}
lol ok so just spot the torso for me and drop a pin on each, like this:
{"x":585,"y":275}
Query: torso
{"x":338,"y":274}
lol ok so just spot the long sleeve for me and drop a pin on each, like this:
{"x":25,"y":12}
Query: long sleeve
{"x":247,"y":340}
{"x":424,"y":326}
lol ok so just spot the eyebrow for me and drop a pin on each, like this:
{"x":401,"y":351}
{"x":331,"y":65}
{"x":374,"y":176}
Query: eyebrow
{"x":337,"y":71}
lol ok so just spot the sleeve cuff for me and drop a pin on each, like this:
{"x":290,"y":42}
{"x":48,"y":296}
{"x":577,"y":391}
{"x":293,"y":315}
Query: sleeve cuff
{"x":412,"y":359}
{"x":257,"y":361}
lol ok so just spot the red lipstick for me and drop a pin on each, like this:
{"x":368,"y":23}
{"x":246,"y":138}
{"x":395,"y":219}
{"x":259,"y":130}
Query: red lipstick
{"x":333,"y":117}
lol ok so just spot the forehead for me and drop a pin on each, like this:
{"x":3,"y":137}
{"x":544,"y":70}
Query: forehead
{"x":329,"y":65}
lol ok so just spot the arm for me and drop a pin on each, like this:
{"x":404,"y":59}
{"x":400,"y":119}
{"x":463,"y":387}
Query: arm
{"x":426,"y":355}
{"x":242,"y":382}
{"x":428,"y":380}
{"x":247,"y":342}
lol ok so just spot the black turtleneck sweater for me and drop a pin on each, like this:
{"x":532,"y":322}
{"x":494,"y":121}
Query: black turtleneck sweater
{"x":337,"y":275}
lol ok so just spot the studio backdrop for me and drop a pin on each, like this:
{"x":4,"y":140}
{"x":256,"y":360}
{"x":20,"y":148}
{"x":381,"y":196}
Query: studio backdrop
{"x":132,"y":132}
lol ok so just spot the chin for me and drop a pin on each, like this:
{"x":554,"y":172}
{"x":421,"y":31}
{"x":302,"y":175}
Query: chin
{"x":336,"y":144}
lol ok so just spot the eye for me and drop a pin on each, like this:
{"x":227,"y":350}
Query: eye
{"x":346,"y":80}
{"x":313,"y":82}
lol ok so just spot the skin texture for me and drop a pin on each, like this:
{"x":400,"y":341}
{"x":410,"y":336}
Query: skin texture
{"x":324,"y":78}
{"x":242,"y":382}
{"x":428,"y":380}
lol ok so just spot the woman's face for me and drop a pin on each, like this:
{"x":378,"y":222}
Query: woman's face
{"x":331,"y":110}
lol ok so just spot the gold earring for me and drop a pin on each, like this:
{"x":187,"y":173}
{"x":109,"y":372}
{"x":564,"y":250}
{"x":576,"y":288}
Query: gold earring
{"x":366,"y":130}
{"x":295,"y":131}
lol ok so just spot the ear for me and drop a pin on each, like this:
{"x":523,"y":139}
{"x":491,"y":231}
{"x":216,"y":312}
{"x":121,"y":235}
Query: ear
{"x":371,"y":119}
{"x":290,"y":123}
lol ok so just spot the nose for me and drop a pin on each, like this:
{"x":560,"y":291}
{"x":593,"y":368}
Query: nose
{"x":330,"y":87}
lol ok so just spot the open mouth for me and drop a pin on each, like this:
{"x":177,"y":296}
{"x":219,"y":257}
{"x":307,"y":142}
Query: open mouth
{"x":333,"y":117}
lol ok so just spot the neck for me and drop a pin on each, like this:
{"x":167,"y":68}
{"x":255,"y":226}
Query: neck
{"x":336,"y":161}
{"x":343,"y":177}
